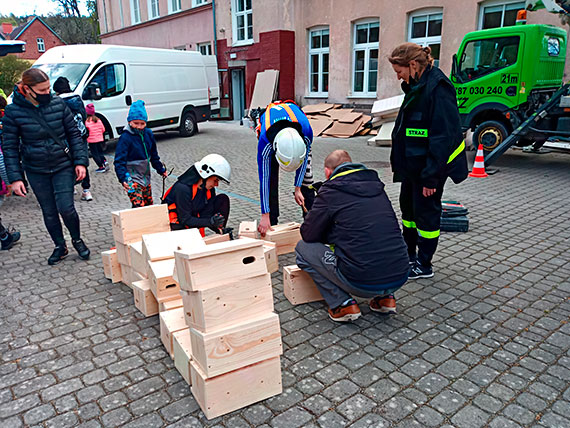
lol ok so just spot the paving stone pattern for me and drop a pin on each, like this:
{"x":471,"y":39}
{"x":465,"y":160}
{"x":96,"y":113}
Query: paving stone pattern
{"x":483,"y":343}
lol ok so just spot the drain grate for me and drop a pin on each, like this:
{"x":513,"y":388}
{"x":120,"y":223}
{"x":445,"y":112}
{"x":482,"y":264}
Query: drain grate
{"x":376,"y":164}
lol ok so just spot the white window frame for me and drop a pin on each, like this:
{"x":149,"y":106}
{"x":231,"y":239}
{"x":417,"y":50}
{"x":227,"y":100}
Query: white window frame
{"x":174,"y":6}
{"x":121,"y":16}
{"x":152,"y":5}
{"x":426,"y":40}
{"x":206,"y":46}
{"x":196,"y":3}
{"x":135,"y":12}
{"x":367,"y":47}
{"x":41,"y":44}
{"x":320,"y":52}
{"x":244,"y":13}
{"x":491,"y":3}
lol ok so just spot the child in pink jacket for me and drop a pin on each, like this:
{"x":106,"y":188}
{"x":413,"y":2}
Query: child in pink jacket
{"x":95,"y":138}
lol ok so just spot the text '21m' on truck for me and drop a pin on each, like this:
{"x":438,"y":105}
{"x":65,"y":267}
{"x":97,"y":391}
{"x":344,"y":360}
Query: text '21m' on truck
{"x":504,"y":76}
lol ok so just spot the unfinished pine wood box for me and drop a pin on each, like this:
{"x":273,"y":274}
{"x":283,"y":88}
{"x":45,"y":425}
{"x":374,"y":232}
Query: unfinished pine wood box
{"x":144,"y":299}
{"x":111,"y":266}
{"x":220,"y":264}
{"x":219,"y":307}
{"x":213,"y":239}
{"x":161,"y":277}
{"x":240,"y":388}
{"x":161,"y":246}
{"x":127,"y":275}
{"x":231,"y":348}
{"x":130,"y":225}
{"x":299,"y":287}
{"x":167,"y":305}
{"x":285,"y":236}
{"x":248,"y":229}
{"x":138,"y":263}
{"x":123,"y":254}
{"x":270,"y":253}
{"x":182,"y":351}
{"x":171,"y":322}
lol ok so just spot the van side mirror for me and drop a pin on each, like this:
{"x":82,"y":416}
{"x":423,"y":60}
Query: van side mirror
{"x":92,"y":92}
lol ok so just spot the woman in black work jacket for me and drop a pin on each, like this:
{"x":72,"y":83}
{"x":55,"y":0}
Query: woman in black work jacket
{"x":427,"y":147}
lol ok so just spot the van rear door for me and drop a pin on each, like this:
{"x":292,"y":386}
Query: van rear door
{"x":211,"y":64}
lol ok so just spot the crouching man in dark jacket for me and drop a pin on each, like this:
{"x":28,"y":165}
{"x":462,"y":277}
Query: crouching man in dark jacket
{"x":352,"y":243}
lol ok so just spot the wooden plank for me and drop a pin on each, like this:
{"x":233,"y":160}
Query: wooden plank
{"x":123,"y":254}
{"x":317,"y":108}
{"x":220,"y":307}
{"x":127,"y":275}
{"x":350,"y":117}
{"x":240,"y":388}
{"x":270,"y":253}
{"x":343,"y":130}
{"x":144,"y":299}
{"x":170,"y":322}
{"x":319,"y":126}
{"x":182,"y":351}
{"x":163,"y":285}
{"x":138,"y":263}
{"x":264,"y":89}
{"x":168,"y":305}
{"x":214,"y":239}
{"x":221,"y":263}
{"x":285,"y":236}
{"x":231,"y":348}
{"x":161,"y":246}
{"x":299,"y":287}
{"x":248,"y":229}
{"x":111,"y":265}
{"x":130,"y":225}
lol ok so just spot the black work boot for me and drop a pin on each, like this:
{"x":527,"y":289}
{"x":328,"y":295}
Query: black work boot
{"x":81,"y":248}
{"x":10,"y":239}
{"x":59,"y":253}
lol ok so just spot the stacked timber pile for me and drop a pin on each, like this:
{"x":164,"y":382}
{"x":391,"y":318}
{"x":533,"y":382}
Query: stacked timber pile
{"x":330,"y":120}
{"x":214,"y":298}
{"x":384,"y":113}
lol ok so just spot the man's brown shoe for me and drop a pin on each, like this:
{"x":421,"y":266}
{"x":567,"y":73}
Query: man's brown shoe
{"x":383,"y":305}
{"x":345,"y":312}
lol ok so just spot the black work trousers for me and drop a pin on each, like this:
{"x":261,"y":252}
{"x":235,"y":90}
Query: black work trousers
{"x":97,"y":153}
{"x":308,"y":194}
{"x":54,"y":192}
{"x":421,"y":217}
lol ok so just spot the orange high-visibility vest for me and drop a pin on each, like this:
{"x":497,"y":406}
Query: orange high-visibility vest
{"x":281,"y":104}
{"x":173,"y":214}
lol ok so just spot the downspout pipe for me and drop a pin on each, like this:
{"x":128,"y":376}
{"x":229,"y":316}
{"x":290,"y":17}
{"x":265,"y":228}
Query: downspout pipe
{"x":215,"y":29}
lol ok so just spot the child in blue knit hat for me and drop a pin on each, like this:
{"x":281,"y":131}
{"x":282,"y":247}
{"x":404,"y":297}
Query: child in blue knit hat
{"x":135,"y":153}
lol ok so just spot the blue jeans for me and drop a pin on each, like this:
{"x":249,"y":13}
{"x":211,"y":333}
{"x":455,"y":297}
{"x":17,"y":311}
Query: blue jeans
{"x":319,"y":261}
{"x":54,"y":192}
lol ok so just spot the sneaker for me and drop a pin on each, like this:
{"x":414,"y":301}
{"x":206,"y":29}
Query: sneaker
{"x":101,"y":169}
{"x":383,"y":305}
{"x":59,"y":253}
{"x":81,"y":249}
{"x":86,"y":195}
{"x":10,"y":239}
{"x":106,"y":166}
{"x":348,"y":311}
{"x":419,"y":271}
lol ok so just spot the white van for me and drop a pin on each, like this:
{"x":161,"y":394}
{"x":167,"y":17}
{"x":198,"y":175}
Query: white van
{"x":179,"y":88}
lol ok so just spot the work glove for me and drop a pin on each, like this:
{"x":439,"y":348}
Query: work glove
{"x":217,"y":220}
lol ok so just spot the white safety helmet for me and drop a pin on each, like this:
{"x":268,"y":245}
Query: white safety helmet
{"x":214,"y":165}
{"x":290,"y":149}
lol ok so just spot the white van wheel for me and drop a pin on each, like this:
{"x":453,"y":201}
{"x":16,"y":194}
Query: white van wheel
{"x":188,"y":125}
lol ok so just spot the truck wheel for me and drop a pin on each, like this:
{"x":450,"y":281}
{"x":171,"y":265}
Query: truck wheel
{"x":188,"y":125}
{"x":489,"y":133}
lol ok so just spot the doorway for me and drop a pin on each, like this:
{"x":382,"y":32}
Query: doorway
{"x":238,"y":93}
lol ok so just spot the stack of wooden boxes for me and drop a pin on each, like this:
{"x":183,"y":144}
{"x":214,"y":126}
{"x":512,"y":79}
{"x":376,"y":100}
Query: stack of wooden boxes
{"x":235,"y":337}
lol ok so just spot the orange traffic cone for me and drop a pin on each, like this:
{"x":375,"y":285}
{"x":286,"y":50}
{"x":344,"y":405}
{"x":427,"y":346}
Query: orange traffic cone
{"x":478,"y":170}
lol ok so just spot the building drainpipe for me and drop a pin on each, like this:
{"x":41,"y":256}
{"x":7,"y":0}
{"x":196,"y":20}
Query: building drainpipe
{"x":215,"y":30}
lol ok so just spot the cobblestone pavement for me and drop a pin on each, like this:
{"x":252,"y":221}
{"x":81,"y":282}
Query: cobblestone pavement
{"x":483,"y":343}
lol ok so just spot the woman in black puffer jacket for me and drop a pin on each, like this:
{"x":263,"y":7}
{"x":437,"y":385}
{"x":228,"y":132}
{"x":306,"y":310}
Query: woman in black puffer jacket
{"x":51,"y":164}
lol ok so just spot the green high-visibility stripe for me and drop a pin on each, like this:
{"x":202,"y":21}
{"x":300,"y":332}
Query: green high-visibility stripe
{"x":457,"y":151}
{"x":409,"y":224}
{"x":428,"y":234}
{"x":415,"y":132}
{"x":343,"y":173}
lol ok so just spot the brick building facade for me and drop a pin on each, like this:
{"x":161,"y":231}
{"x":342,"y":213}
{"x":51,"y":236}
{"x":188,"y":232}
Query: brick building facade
{"x":39,"y":37}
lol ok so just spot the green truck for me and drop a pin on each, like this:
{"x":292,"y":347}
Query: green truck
{"x":503,"y":76}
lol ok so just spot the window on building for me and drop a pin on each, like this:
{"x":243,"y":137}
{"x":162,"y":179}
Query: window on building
{"x":135,"y":12}
{"x":365,"y":54}
{"x":242,"y":20}
{"x":204,"y":48}
{"x":319,"y":61}
{"x":485,"y":56}
{"x":111,"y":80}
{"x":153,"y":11}
{"x":41,"y":44}
{"x":425,"y":30}
{"x":174,"y":6}
{"x":496,"y":14}
{"x":122,"y":18}
{"x":198,"y":2}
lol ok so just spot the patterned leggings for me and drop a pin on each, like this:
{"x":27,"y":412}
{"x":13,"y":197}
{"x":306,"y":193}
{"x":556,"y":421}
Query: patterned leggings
{"x":142,"y":196}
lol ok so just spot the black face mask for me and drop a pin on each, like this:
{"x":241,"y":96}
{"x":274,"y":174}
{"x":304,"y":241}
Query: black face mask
{"x":42,"y":99}
{"x":413,"y":79}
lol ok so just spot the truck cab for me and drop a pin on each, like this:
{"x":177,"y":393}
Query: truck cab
{"x":502,"y":75}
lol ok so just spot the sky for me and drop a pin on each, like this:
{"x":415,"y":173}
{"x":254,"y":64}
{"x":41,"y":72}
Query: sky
{"x":30,"y":7}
